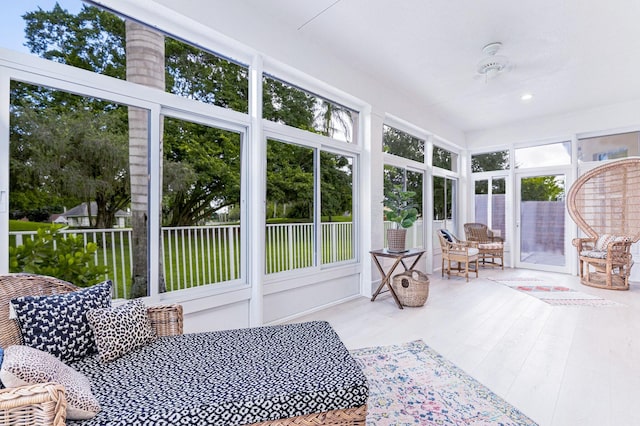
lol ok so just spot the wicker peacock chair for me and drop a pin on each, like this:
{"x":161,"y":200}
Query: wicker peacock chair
{"x":605,"y":204}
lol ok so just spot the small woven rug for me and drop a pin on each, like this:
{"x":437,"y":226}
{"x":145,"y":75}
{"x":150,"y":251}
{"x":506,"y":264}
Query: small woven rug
{"x":411,"y":384}
{"x":554,"y":294}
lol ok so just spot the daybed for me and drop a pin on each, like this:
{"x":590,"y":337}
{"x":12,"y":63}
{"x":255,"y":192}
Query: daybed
{"x":296,"y":374}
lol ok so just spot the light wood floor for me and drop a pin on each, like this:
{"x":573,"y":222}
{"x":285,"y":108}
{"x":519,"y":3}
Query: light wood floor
{"x":560,"y":365}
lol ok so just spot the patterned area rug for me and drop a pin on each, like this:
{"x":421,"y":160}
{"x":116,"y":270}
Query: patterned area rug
{"x":411,"y":384}
{"x":553,"y":294}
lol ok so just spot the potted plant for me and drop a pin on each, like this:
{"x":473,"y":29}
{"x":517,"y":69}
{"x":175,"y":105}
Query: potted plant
{"x":401,"y":210}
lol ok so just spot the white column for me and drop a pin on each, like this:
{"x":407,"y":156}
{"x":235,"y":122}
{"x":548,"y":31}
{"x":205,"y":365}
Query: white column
{"x":254,"y":210}
{"x":371,"y":197}
{"x":4,"y":174}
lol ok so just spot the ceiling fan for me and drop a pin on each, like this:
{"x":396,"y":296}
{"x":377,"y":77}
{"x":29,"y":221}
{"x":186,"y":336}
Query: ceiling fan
{"x":492,"y":64}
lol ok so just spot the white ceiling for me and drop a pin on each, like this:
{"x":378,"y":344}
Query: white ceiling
{"x":571,"y":54}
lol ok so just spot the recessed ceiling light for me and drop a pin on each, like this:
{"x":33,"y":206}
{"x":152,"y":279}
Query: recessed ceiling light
{"x":526,"y":97}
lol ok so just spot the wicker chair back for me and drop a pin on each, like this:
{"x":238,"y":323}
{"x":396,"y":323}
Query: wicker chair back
{"x":16,"y":285}
{"x":606,"y":200}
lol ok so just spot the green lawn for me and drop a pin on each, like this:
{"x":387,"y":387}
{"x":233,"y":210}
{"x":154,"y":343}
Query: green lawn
{"x":206,"y":257}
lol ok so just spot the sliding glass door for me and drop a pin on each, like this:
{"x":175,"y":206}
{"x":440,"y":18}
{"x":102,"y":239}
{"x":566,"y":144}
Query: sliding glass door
{"x":541,"y":222}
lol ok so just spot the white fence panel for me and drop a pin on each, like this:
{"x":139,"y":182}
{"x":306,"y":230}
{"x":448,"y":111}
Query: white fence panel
{"x":201,"y":255}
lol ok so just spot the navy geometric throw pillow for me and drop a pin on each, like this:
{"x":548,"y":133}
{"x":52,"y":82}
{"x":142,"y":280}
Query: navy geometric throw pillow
{"x":447,"y":235}
{"x":58,"y":323}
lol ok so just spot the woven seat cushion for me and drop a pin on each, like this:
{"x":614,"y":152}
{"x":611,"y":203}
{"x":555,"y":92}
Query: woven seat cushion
{"x":603,"y":241}
{"x":231,"y":377}
{"x":490,"y":246}
{"x":594,"y":254}
{"x":472,"y":252}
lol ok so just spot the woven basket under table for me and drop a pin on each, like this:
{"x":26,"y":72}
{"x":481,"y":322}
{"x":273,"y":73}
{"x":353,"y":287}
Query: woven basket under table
{"x":411,"y":287}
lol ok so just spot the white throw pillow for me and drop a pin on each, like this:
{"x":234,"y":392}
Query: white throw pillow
{"x":24,"y":365}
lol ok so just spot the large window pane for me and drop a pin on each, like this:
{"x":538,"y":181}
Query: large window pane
{"x":402,"y":144}
{"x":290,"y":233}
{"x":415,"y":234}
{"x":491,"y":161}
{"x":444,"y":205}
{"x":443,"y":198}
{"x":555,"y":154}
{"x":609,"y":147}
{"x":287,"y":104}
{"x":498,"y":207}
{"x":393,"y":176}
{"x":481,"y":201}
{"x":197,"y":74}
{"x":408,"y":180}
{"x":490,"y":204}
{"x":542,"y":218}
{"x":71,"y":164}
{"x":69,"y":32}
{"x":201,"y":204}
{"x":445,"y":159}
{"x":336,"y":174}
{"x":93,"y":39}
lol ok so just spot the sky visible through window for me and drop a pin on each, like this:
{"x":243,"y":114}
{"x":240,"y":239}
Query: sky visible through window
{"x":556,"y":154}
{"x":12,"y":23}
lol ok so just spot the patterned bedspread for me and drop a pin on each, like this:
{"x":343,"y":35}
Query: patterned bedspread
{"x":227,"y":378}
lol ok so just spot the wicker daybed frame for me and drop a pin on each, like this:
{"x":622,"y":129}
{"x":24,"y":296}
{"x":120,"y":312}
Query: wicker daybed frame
{"x":45,"y":404}
{"x":606,"y":201}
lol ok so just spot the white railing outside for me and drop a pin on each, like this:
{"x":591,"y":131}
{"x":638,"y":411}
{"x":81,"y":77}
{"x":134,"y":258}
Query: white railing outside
{"x":337,"y":242}
{"x":114,"y":248}
{"x":200,"y":255}
{"x":414,"y":234}
{"x":289,"y":246}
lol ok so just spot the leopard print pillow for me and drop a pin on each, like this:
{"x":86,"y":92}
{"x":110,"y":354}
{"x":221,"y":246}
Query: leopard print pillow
{"x":24,"y":365}
{"x":120,"y":329}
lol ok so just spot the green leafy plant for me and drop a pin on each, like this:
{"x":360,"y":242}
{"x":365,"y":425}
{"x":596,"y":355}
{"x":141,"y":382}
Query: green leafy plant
{"x":400,"y":207}
{"x":64,"y":257}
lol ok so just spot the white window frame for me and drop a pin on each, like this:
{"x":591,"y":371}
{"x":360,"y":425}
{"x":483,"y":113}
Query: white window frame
{"x":33,"y":70}
{"x":317,"y":142}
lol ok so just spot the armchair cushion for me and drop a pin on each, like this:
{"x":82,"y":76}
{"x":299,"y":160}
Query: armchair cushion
{"x":121,"y":329}
{"x":601,"y":246}
{"x":23,"y":365}
{"x":603,"y":241}
{"x":490,"y":246}
{"x":471,"y":251}
{"x":58,"y":323}
{"x":594,"y":254}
